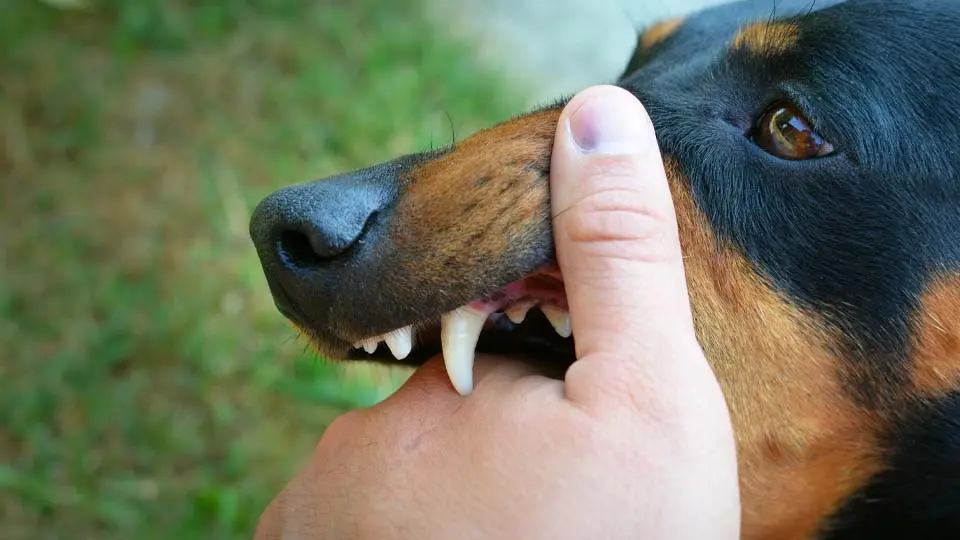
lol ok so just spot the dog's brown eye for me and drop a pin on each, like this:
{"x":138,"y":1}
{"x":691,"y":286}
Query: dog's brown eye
{"x":784,"y":132}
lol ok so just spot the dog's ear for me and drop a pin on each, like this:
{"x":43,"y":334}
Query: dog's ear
{"x":647,"y":41}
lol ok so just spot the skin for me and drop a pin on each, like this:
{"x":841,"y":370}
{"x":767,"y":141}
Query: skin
{"x":634,"y":443}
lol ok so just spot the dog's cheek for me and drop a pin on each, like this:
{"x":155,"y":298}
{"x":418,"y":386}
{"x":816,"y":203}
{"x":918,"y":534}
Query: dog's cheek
{"x":479,"y":215}
{"x":803,"y":444}
{"x":936,"y":345}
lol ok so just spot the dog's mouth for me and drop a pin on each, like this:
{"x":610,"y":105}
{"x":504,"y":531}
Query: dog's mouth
{"x":528,"y":317}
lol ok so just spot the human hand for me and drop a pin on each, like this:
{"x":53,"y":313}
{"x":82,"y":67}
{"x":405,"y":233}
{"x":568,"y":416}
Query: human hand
{"x":636,"y":442}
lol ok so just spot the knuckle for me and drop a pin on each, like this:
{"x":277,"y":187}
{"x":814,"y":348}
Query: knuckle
{"x":623,"y":380}
{"x":619,"y":221}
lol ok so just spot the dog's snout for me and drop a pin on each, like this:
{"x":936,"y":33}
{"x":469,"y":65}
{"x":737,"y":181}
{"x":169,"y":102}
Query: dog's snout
{"x":315,"y":239}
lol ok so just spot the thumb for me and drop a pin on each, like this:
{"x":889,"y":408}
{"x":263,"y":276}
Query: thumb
{"x":617,"y":244}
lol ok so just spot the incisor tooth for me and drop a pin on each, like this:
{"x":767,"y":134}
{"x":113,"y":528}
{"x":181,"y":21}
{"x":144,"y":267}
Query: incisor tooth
{"x":370,"y":345}
{"x":517,"y":313}
{"x":459,"y":332}
{"x":400,"y":342}
{"x":559,"y":318}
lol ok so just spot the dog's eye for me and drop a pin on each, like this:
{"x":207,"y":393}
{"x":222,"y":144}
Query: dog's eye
{"x":784,"y":132}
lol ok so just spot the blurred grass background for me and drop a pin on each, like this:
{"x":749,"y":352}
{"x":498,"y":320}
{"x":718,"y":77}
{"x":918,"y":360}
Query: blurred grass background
{"x":148,"y":388}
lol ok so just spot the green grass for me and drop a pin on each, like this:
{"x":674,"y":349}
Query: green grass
{"x":148,"y":388}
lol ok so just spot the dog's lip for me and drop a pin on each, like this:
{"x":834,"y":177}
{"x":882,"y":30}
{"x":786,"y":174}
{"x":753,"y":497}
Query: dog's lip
{"x":540,"y":289}
{"x":534,"y":342}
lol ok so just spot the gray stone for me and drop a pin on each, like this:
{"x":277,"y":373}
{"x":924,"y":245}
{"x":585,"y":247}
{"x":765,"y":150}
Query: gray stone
{"x":556,"y":47}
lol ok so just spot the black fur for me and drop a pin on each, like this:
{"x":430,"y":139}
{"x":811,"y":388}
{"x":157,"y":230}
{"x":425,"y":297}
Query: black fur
{"x":855,"y":236}
{"x":847,"y":235}
{"x":917,"y":497}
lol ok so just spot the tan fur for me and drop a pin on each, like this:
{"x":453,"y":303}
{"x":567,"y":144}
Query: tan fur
{"x":473,"y":204}
{"x":659,"y":32}
{"x":767,"y":38}
{"x":936,"y":347}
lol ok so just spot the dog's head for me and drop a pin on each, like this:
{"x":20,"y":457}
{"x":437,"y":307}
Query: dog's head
{"x":813,"y":153}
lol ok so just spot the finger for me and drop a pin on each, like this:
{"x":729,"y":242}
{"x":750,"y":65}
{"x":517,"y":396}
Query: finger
{"x":616,"y":233}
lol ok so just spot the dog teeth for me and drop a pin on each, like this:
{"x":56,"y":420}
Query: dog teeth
{"x":517,"y":313}
{"x":559,"y":318}
{"x":459,"y":332}
{"x":400,"y":342}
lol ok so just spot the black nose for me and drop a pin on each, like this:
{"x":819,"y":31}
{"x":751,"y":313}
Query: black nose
{"x":312,"y":237}
{"x":319,"y":243}
{"x":308,"y":226}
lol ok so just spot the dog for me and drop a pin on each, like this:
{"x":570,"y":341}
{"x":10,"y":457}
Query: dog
{"x":813,"y":153}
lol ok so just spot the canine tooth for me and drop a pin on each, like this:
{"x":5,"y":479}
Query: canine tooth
{"x":370,"y":345}
{"x":459,"y":332}
{"x":559,"y":318}
{"x":517,"y":313}
{"x":400,"y":342}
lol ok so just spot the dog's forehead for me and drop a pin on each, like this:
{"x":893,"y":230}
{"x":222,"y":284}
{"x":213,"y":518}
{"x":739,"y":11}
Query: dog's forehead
{"x":704,"y":32}
{"x":721,"y":22}
{"x":727,"y":18}
{"x":824,"y":52}
{"x":698,"y":37}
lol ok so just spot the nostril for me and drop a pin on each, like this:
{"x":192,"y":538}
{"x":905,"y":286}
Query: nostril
{"x":314,"y":243}
{"x":295,"y":249}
